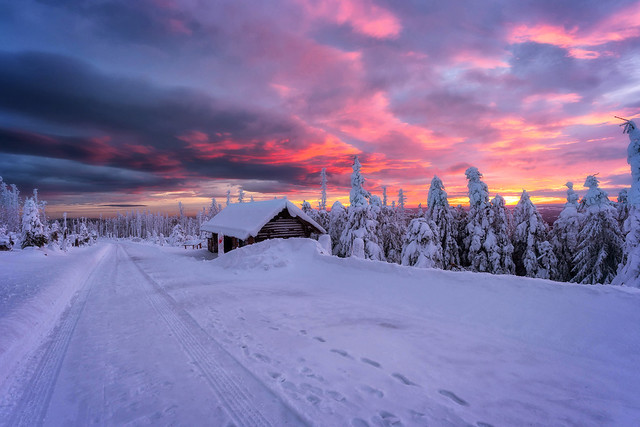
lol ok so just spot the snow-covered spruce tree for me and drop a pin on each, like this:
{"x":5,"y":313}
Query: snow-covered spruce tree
{"x":531,"y":248}
{"x":228,"y":197}
{"x":392,"y":232}
{"x":384,"y":195}
{"x":337,"y":222}
{"x":213,"y":210}
{"x":32,"y":229}
{"x":498,"y":242}
{"x":177,"y":235}
{"x":622,"y":206}
{"x":83,"y":238}
{"x":362,"y":218}
{"x":241,"y":195}
{"x":629,"y":268}
{"x":421,"y":245}
{"x":564,"y":235}
{"x":9,"y":207}
{"x":600,"y":239}
{"x":475,"y":255}
{"x":55,"y":236}
{"x":446,"y":228}
{"x":313,"y":214}
{"x":322,"y":206}
{"x":402,"y":200}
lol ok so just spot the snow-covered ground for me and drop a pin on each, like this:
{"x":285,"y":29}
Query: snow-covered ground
{"x":279,"y":334}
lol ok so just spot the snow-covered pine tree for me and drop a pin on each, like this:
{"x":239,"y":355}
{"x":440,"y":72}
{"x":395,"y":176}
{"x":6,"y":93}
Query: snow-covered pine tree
{"x":629,"y":269}
{"x":531,"y":252}
{"x":55,"y":236}
{"x":478,"y":226}
{"x":214,"y":208}
{"x":622,"y":207}
{"x":32,"y":229}
{"x":421,"y":245}
{"x":402,"y":199}
{"x":357,"y":196}
{"x":228,"y":197}
{"x":600,"y":239}
{"x":241,"y":195}
{"x":9,"y":207}
{"x":564,"y":234}
{"x":323,"y":192}
{"x":177,"y":235}
{"x":337,"y":222}
{"x":362,"y":218}
{"x":392,"y":231}
{"x":384,"y":195}
{"x":306,"y":207}
{"x":83,"y":237}
{"x":313,"y":214}
{"x":446,"y":227}
{"x":498,"y":242}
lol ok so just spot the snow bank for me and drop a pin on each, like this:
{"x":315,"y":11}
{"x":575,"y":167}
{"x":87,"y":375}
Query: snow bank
{"x":38,"y":285}
{"x":270,"y":254}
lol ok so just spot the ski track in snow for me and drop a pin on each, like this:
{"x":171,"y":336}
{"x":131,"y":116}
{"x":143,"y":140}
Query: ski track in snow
{"x":30,"y":408}
{"x":241,"y":392}
{"x":53,"y":371}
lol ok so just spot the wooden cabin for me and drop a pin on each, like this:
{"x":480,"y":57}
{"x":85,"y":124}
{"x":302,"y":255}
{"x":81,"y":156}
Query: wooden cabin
{"x":241,"y":224}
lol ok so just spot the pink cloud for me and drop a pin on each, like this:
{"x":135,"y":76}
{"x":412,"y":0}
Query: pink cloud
{"x":582,"y":42}
{"x":363,"y":16}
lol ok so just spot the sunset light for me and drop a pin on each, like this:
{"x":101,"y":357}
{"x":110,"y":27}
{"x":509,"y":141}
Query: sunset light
{"x":184,"y":102}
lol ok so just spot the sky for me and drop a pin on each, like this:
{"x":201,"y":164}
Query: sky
{"x":120,"y":105}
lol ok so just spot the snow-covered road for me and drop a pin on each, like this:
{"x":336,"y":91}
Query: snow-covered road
{"x":278,"y":334}
{"x":124,"y":353}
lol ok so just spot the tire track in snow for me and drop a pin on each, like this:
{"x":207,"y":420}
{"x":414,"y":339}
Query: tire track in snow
{"x":30,"y":408}
{"x":248,"y":401}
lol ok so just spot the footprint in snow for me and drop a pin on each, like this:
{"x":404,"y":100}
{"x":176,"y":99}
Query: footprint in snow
{"x":319,"y":339}
{"x":481,"y":424}
{"x":403,"y":379}
{"x":337,"y":396}
{"x":262,"y":357}
{"x":372,"y":391}
{"x":370,"y":362}
{"x":313,"y":399}
{"x":359,"y":422}
{"x":303,"y":332}
{"x":389,"y":419}
{"x":451,"y":395}
{"x":340,"y":352}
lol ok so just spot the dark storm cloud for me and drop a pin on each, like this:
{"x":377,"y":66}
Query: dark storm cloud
{"x":56,"y":176}
{"x":64,"y":90}
{"x":141,"y":124}
{"x":140,"y":21}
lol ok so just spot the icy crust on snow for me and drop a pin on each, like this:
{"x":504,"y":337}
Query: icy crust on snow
{"x":242,"y":220}
{"x":270,"y":254}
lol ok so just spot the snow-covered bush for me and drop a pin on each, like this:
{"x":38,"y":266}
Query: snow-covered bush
{"x":33,"y":233}
{"x":422,"y":247}
{"x":357,"y":250}
{"x":5,"y":240}
{"x":532,"y":253}
{"x":337,"y":222}
{"x":177,"y":235}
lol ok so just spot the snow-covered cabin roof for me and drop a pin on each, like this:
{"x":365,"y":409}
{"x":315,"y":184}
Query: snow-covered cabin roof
{"x":242,"y":220}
